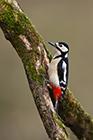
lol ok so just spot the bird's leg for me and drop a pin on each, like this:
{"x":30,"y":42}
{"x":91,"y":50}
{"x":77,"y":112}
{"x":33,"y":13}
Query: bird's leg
{"x":48,"y":83}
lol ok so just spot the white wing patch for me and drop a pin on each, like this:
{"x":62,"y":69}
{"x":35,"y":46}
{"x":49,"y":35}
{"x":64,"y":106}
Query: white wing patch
{"x":64,"y":49}
{"x":62,"y":82}
{"x":64,"y":67}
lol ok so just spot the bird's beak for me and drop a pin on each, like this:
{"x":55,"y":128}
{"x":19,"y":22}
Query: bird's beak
{"x":52,"y":44}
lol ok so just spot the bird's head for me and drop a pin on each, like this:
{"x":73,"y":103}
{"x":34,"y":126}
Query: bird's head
{"x":61,"y":48}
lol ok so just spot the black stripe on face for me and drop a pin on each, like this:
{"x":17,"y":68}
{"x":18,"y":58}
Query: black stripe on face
{"x":57,"y":56}
{"x":58,"y":49}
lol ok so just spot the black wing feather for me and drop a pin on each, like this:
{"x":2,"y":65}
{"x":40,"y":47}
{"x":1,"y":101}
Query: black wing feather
{"x":61,"y":73}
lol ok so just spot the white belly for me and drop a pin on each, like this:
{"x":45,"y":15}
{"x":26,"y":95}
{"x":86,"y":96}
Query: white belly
{"x":52,"y":72}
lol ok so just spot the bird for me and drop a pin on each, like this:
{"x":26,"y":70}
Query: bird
{"x":58,"y":71}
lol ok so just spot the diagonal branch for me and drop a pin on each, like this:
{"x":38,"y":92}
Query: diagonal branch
{"x":31,"y":49}
{"x":35,"y":57}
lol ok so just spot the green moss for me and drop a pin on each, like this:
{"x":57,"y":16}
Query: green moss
{"x":21,"y":26}
{"x":7,"y":17}
{"x":11,"y":18}
{"x":33,"y":75}
{"x":60,"y":123}
{"x":58,"y":120}
{"x":17,"y":23}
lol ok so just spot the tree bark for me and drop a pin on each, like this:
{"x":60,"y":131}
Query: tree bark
{"x":31,"y":49}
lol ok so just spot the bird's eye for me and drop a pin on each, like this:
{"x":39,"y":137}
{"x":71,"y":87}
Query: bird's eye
{"x":61,"y":45}
{"x":64,"y":48}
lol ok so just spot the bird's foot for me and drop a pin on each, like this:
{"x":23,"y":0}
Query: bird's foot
{"x":47,"y":82}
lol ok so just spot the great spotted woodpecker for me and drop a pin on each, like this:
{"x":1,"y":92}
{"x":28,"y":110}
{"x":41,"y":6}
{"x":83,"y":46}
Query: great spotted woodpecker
{"x":58,"y":71}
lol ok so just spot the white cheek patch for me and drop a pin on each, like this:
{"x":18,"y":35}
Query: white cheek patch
{"x":63,"y":48}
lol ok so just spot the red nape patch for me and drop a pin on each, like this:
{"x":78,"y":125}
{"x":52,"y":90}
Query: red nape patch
{"x":56,"y":91}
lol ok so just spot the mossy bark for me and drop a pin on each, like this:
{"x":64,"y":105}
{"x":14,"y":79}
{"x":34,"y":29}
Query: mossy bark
{"x":31,"y":48}
{"x":74,"y":116}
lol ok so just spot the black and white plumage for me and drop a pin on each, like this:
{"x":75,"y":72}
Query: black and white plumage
{"x":58,"y":69}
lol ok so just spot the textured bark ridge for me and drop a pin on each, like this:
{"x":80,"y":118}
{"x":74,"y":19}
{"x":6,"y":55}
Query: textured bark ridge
{"x":31,"y":49}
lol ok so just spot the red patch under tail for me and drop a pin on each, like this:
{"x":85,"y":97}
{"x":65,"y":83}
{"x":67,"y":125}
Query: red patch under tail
{"x":56,"y":91}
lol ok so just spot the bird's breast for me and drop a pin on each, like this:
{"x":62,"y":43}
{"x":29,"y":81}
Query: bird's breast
{"x":53,"y":73}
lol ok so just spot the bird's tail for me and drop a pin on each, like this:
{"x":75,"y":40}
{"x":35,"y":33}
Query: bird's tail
{"x":56,"y":105}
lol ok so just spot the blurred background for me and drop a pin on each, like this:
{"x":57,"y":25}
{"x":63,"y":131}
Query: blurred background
{"x":56,"y":20}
